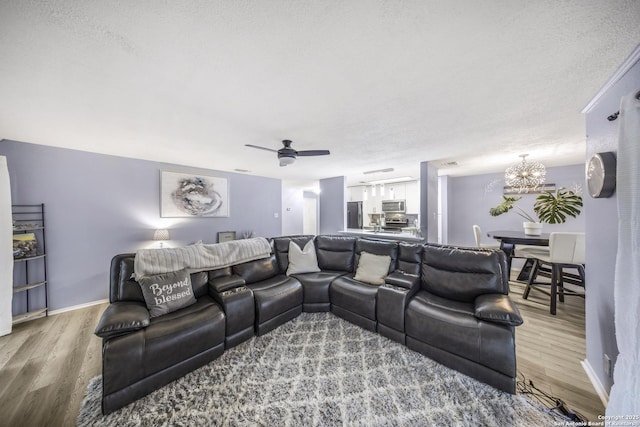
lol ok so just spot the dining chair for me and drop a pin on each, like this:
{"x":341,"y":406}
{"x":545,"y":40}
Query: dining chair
{"x":566,"y":251}
{"x":477,"y":234}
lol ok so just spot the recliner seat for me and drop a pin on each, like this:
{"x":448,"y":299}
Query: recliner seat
{"x":141,"y":354}
{"x":315,"y":285}
{"x":353,"y":300}
{"x":278,"y":298}
{"x":462,"y":316}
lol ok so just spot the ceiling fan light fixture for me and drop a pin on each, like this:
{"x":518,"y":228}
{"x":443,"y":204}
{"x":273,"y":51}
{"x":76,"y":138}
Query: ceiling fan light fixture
{"x":287,"y":160}
{"x":525,"y":176}
{"x":287,"y":155}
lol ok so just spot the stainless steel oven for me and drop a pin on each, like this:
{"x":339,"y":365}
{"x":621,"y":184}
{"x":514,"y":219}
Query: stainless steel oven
{"x":393,"y":206}
{"x":395,"y":222}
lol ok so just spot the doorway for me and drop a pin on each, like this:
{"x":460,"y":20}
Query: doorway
{"x":310,"y":213}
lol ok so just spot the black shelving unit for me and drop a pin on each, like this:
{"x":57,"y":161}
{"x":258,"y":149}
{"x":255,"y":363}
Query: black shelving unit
{"x":30,"y":262}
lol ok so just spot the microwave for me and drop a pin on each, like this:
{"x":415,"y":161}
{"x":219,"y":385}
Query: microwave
{"x":393,"y":206}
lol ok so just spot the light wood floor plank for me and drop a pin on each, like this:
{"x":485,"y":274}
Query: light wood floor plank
{"x":550,"y":348}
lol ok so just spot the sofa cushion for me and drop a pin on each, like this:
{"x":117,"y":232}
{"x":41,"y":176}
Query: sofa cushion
{"x":354,"y":296}
{"x":281,"y":248}
{"x":123,"y":287}
{"x":462,"y":274}
{"x":452,"y":326}
{"x":302,"y":260}
{"x":409,"y":258}
{"x":167,"y":292}
{"x":335,"y":253}
{"x":182,"y":334}
{"x":378,"y":247}
{"x":372,"y":268}
{"x":275,"y":296}
{"x":315,"y":285}
{"x":255,"y":271}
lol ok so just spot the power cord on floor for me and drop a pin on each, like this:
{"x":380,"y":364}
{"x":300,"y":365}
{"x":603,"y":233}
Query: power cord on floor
{"x":525,"y":387}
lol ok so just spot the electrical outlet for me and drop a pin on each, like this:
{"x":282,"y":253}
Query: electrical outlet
{"x":607,"y":365}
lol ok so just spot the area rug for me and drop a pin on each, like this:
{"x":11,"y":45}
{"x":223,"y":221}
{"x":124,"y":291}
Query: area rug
{"x":320,"y":370}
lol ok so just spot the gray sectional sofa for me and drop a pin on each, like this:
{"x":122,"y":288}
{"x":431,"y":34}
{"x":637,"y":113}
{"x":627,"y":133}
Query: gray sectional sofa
{"x":448,"y":303}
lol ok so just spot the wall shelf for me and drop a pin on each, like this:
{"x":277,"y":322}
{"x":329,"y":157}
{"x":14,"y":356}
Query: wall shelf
{"x":30,"y":253}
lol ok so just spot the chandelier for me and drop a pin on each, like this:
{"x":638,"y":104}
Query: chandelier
{"x":525,"y":176}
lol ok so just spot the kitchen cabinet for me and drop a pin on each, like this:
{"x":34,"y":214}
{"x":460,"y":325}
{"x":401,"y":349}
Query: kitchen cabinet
{"x":372,"y":203}
{"x":412,"y":196}
{"x":355,"y":194}
{"x":396,"y":191}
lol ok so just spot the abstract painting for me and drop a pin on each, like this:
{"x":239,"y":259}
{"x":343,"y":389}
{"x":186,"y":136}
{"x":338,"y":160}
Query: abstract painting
{"x":193,"y":195}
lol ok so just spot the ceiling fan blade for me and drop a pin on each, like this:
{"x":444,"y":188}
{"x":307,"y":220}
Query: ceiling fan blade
{"x":261,"y":148}
{"x":313,"y":153}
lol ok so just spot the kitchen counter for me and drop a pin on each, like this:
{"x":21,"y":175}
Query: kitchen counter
{"x":403,"y":237}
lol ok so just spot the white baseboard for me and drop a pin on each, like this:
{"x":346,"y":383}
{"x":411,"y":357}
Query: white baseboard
{"x":595,"y":381}
{"x":77,"y":307}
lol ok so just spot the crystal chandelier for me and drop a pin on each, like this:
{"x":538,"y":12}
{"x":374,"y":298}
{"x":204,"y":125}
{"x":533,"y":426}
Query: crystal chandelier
{"x":525,"y":176}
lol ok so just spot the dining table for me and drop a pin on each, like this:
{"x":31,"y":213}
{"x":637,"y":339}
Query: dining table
{"x":508,"y":241}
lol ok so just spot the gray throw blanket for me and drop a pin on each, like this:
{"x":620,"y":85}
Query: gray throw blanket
{"x":200,"y":257}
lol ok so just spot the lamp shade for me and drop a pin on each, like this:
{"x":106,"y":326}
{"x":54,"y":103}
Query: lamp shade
{"x":161,"y":234}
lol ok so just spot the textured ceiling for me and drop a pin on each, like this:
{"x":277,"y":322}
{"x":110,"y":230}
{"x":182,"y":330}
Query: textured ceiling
{"x":379,"y":83}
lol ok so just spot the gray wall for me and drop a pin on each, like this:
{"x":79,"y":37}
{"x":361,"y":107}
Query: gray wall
{"x":429,"y":202}
{"x":333,"y":205}
{"x":98,"y":206}
{"x":292,"y":209}
{"x":471,"y":197}
{"x":602,"y":229}
{"x":443,"y":209}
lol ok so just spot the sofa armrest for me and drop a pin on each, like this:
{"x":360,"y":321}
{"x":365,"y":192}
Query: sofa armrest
{"x":402,"y":280}
{"x":225,"y":283}
{"x":122,"y":317}
{"x":498,"y":308}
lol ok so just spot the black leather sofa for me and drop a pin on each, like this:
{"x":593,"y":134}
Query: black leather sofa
{"x":448,"y":303}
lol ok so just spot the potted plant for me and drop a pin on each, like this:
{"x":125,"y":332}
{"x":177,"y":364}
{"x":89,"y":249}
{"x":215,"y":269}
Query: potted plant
{"x":550,"y":208}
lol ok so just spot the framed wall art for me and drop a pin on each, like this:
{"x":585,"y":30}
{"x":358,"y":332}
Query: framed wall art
{"x":184,"y":195}
{"x":226,"y":236}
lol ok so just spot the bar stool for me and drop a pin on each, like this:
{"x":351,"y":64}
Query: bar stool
{"x":566,"y":251}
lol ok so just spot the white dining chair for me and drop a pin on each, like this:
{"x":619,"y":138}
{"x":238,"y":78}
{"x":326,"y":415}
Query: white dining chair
{"x":566,"y":251}
{"x":477,"y":234}
{"x":530,"y":251}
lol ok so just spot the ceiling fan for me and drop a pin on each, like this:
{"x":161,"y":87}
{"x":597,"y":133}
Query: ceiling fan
{"x":287,"y":155}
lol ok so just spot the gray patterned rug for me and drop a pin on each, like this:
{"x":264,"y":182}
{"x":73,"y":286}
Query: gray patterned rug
{"x":320,"y":370}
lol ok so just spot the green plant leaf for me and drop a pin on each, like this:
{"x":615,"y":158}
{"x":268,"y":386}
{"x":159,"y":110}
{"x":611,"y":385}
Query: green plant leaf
{"x":507,"y":204}
{"x":554,"y":209}
{"x":504,"y":207}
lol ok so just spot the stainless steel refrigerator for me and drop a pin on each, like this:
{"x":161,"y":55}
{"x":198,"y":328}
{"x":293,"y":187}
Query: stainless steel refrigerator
{"x":354,"y":214}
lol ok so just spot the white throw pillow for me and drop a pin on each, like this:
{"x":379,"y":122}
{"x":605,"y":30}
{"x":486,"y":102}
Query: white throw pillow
{"x":372,"y":268}
{"x":302,"y":260}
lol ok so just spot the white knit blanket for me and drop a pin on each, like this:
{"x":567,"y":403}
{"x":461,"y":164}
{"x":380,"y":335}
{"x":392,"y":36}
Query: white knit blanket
{"x":200,"y":257}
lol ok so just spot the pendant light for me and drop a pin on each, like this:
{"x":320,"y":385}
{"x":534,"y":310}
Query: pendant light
{"x":526,"y":175}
